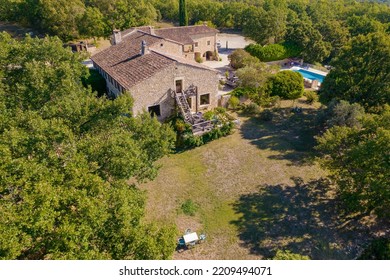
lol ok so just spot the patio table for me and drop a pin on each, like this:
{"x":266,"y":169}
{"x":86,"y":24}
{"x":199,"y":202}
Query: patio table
{"x":190,"y":237}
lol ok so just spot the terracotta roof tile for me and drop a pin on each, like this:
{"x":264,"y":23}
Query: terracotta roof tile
{"x":124,"y":63}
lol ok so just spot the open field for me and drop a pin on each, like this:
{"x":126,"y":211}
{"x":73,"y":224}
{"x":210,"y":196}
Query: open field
{"x":258,"y":190}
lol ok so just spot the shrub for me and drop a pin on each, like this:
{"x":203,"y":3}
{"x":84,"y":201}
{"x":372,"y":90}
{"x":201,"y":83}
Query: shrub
{"x":209,"y":115}
{"x":341,"y":113}
{"x":189,"y":207}
{"x":311,"y":96}
{"x":199,"y":59}
{"x":242,"y":91}
{"x":237,"y":58}
{"x":251,"y":109}
{"x":186,"y":140}
{"x":234,"y":102}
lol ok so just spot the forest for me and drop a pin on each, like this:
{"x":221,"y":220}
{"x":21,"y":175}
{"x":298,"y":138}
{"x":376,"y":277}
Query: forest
{"x":71,"y":161}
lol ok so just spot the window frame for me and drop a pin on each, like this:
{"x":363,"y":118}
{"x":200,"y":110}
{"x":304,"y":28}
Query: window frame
{"x":152,"y":112}
{"x":201,"y":101}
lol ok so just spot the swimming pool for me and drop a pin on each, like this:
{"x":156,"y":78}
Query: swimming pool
{"x":310,"y":75}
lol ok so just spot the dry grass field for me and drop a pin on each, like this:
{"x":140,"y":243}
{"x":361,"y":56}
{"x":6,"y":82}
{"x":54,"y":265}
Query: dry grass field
{"x":258,"y":190}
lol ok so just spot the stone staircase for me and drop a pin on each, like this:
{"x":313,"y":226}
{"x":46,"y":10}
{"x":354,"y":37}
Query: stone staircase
{"x":185,"y":109}
{"x":198,"y":124}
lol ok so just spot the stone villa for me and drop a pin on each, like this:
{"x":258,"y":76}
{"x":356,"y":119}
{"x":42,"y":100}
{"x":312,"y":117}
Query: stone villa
{"x":158,"y":68}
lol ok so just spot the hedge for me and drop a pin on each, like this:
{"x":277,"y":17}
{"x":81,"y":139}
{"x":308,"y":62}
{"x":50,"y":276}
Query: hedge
{"x":273,"y":52}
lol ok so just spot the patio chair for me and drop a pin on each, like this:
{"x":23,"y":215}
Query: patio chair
{"x":181,"y":245}
{"x":202,"y":237}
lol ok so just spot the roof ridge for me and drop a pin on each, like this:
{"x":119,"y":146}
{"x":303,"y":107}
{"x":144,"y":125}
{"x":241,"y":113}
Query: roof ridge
{"x":160,"y":37}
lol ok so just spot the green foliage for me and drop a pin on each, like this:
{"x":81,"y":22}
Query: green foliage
{"x":288,"y":255}
{"x":251,"y":109}
{"x":241,"y":91}
{"x":189,"y":207}
{"x":199,"y":59}
{"x":237,"y":58}
{"x":361,"y":73}
{"x":60,"y":17}
{"x":67,"y":157}
{"x":306,"y":37}
{"x":92,"y":24}
{"x":379,"y":249}
{"x":286,"y":84}
{"x":254,"y":75}
{"x":311,"y":96}
{"x":363,"y":25}
{"x":358,"y":160}
{"x":186,"y":140}
{"x":265,"y":24}
{"x":209,"y":115}
{"x":207,"y":22}
{"x":341,"y":113}
{"x":183,"y":18}
{"x":234,"y":102}
{"x":273,"y":52}
{"x":96,"y":82}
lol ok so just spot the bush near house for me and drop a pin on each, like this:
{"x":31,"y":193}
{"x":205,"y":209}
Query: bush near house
{"x":311,"y":96}
{"x":234,"y":102}
{"x":185,"y":138}
{"x":286,"y":84}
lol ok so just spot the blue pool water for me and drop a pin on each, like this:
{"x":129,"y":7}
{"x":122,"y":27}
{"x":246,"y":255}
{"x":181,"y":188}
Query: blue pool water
{"x":310,"y":75}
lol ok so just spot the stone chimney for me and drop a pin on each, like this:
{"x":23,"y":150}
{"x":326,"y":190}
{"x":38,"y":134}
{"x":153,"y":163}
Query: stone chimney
{"x":117,"y":37}
{"x":151,"y":30}
{"x":144,"y":48}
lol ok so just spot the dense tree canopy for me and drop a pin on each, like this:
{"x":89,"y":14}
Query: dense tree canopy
{"x":67,"y":157}
{"x":358,"y":159}
{"x":361,"y":72}
{"x":267,"y":21}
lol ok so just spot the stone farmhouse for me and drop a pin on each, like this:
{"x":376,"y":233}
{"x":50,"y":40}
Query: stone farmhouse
{"x":158,"y":68}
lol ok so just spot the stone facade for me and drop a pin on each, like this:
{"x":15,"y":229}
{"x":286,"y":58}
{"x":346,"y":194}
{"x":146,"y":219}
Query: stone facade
{"x":156,"y":90}
{"x":152,"y":64}
{"x":205,"y":46}
{"x":170,"y":47}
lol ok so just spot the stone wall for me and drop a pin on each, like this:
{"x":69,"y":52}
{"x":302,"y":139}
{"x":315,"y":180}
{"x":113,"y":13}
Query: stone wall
{"x":155,"y":90}
{"x":112,"y":91}
{"x":168,"y":47}
{"x":203,"y":46}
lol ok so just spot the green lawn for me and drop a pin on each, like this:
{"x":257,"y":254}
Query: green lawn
{"x":258,"y":190}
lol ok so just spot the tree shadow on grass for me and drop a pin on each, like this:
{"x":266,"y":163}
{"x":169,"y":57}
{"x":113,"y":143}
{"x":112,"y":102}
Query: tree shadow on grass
{"x":290,"y":134}
{"x":302,"y":218}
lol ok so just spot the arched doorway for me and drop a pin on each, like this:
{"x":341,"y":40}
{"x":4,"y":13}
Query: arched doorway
{"x":208,"y":55}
